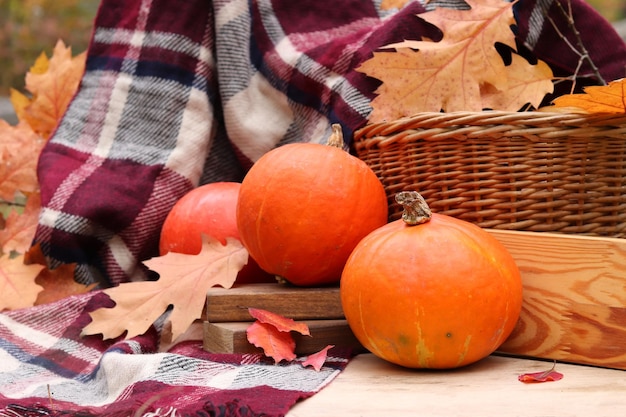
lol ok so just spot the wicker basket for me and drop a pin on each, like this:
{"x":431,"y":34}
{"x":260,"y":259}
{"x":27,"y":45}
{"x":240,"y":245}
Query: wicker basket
{"x":534,"y":171}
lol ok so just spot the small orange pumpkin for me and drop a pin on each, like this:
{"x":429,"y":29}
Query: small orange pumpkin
{"x":430,"y":291}
{"x":303,"y":207}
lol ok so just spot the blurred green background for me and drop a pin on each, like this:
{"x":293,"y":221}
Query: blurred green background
{"x":28,"y":27}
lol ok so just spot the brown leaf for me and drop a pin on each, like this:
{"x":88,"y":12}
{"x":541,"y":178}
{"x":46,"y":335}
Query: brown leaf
{"x":608,"y":99}
{"x":59,"y":283}
{"x":183,"y":283}
{"x":17,"y":283}
{"x":317,"y":360}
{"x":423,"y":76}
{"x":52,"y":83}
{"x":19,"y":151}
{"x":275,"y":344}
{"x":392,"y":4}
{"x":282,"y":324}
{"x":19,"y":229}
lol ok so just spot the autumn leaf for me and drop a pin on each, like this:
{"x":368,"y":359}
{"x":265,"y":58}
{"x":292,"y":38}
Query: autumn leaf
{"x":282,"y":324}
{"x":183,"y":283}
{"x":607,"y":99}
{"x":392,"y":4}
{"x":275,"y":344}
{"x":17,"y":283}
{"x":52,"y":84}
{"x":19,"y":228}
{"x":545,"y":376}
{"x":317,"y":360}
{"x":272,"y":333}
{"x":19,"y":151}
{"x":450,"y":75}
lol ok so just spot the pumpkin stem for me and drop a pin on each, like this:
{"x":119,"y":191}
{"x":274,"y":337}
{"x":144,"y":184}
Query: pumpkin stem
{"x":416,"y":210}
{"x":336,"y":137}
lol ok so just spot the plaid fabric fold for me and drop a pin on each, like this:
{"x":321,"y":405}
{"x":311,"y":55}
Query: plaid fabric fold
{"x":46,"y":368}
{"x":181,"y":93}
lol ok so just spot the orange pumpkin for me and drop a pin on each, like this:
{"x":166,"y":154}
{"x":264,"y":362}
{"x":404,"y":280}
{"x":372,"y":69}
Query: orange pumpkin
{"x":430,"y":291}
{"x":303,"y":207}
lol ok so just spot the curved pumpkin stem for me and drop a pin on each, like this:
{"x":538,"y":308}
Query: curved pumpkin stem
{"x":416,"y":210}
{"x":336,"y":137}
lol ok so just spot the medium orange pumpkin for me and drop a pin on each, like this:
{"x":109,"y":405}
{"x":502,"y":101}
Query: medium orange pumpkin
{"x":440,"y":294}
{"x":303,"y":207}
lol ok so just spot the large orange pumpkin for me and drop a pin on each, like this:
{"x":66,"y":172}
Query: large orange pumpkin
{"x":303,"y":207}
{"x":438,"y":293}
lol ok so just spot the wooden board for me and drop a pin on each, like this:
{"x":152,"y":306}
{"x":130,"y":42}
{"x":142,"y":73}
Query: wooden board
{"x":226,"y":305}
{"x":231,"y":337}
{"x":574,"y":306}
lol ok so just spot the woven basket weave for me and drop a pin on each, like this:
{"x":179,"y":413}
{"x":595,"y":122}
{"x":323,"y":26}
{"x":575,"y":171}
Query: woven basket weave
{"x":533,"y":171}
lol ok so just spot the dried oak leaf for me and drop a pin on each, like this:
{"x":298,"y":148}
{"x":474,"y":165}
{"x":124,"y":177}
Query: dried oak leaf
{"x":19,"y":228}
{"x":450,"y":75}
{"x":317,"y":360}
{"x":17,"y":283}
{"x":19,"y":151}
{"x":52,"y":83}
{"x":607,"y":99}
{"x":272,"y":333}
{"x":183,"y":283}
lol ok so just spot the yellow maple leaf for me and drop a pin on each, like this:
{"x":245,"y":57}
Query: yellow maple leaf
{"x":52,"y":84}
{"x":17,"y":283}
{"x":183,"y":283}
{"x":607,"y":99}
{"x":19,"y":150}
{"x":450,"y":75}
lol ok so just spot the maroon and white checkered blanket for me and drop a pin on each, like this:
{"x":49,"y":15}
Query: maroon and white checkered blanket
{"x":181,"y":93}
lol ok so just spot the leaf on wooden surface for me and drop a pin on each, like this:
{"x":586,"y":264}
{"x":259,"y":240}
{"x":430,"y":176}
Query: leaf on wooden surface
{"x":545,"y":376}
{"x":449,"y":75}
{"x":19,"y":228}
{"x":282,"y":324}
{"x":317,"y":360}
{"x":607,"y":99}
{"x":275,"y":344}
{"x":17,"y":283}
{"x":19,"y":151}
{"x":52,"y":83}
{"x":183,"y":283}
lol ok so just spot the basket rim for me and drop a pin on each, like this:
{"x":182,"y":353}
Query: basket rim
{"x":462,"y":125}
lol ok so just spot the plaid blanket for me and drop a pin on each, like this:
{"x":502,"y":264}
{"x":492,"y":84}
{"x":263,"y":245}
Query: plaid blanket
{"x":47,"y":369}
{"x":181,"y":93}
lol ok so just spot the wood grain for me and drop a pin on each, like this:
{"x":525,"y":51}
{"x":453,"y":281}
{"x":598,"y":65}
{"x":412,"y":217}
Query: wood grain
{"x":231,"y":337}
{"x":227,"y":305}
{"x":574,"y":305}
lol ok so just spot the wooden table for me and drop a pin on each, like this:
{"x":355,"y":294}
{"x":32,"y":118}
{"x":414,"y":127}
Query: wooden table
{"x":372,"y":387}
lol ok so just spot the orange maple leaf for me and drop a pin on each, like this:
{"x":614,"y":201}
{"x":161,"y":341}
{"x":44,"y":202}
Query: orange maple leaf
{"x":52,"y":84}
{"x":272,"y":333}
{"x":393,"y":4}
{"x":19,"y":150}
{"x":607,"y":99}
{"x":183,"y":283}
{"x":449,"y":75}
{"x":19,"y":228}
{"x":317,"y":360}
{"x":17,"y":283}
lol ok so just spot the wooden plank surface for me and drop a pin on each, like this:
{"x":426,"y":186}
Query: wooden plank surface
{"x":574,"y":297}
{"x":231,"y":337}
{"x":228,"y":305}
{"x":371,"y":387}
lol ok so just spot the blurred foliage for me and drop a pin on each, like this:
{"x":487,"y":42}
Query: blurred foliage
{"x":29,"y":27}
{"x":612,"y":10}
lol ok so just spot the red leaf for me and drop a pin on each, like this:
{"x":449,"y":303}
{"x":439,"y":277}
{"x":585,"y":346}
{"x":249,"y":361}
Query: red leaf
{"x":281,"y":323}
{"x":316,"y":360}
{"x":275,"y":344}
{"x":545,"y":376}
